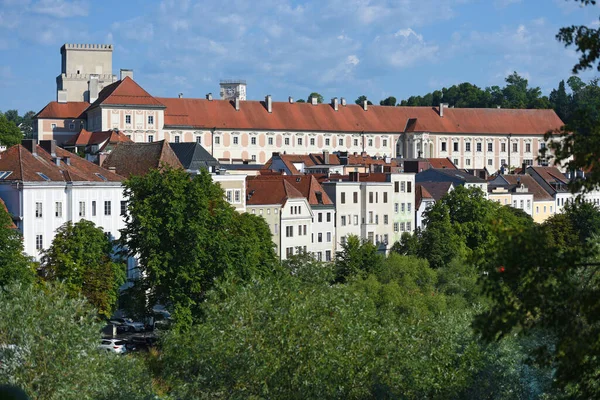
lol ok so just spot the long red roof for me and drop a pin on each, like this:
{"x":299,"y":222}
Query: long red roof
{"x":70,"y":110}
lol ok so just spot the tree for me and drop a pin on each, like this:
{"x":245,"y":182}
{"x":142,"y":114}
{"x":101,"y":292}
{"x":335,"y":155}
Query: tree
{"x":408,"y":245}
{"x":586,"y":41}
{"x":13,"y":116}
{"x":300,"y":101}
{"x":14,"y":264}
{"x":361,"y":99}
{"x":27,"y":124}
{"x":355,"y":258}
{"x":49,"y":347}
{"x":81,"y":257}
{"x":187,"y":236}
{"x":9,"y":132}
{"x":317,"y":95}
{"x":560,"y":101}
{"x":390,"y":101}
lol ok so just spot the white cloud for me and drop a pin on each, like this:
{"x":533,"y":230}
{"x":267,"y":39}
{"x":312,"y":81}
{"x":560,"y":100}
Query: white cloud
{"x":352,"y":60}
{"x":405,"y":48}
{"x":61,"y":8}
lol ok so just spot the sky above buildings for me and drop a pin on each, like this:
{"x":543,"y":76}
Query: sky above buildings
{"x":339,"y":48}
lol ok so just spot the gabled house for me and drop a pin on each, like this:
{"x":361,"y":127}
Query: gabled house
{"x":287,"y":212}
{"x":95,"y":146}
{"x":455,"y":176}
{"x":44,"y":186}
{"x":427,"y":193}
{"x":554,"y":182}
{"x":194,"y":157}
{"x":520,"y":189}
{"x":128,"y":159}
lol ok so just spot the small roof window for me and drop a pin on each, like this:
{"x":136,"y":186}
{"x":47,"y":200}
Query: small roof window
{"x":101,"y":176}
{"x":44,"y":177}
{"x":5,"y":174}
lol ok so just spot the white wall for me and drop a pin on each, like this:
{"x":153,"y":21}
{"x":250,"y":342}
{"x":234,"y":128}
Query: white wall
{"x":327,"y":230}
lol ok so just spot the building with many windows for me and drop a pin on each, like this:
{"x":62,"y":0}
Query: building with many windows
{"x":44,"y":186}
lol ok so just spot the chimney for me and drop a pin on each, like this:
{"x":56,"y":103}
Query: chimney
{"x":237,"y":104}
{"x":523,"y":168}
{"x":365,"y":104}
{"x":57,"y":161}
{"x":209,"y":97}
{"x":313,"y":100}
{"x":291,"y":99}
{"x":269,"y":103}
{"x":126,"y":73}
{"x":30,"y":145}
{"x":498,"y":106}
{"x":49,"y":146}
{"x":113,"y":169}
{"x":325,"y":157}
{"x":180,"y":95}
{"x":354,"y":177}
{"x":61,"y":96}
{"x":334,"y":103}
{"x":93,"y":88}
{"x":343,"y":101}
{"x":442,"y":106}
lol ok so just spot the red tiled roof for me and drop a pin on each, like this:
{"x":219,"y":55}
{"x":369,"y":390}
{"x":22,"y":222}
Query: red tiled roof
{"x":307,"y":185}
{"x":27,"y":167}
{"x":270,"y":191}
{"x":69,"y":110}
{"x":86,"y":138}
{"x":138,"y":158}
{"x":539,"y":194}
{"x":441,"y":163}
{"x":421,"y":193}
{"x":11,"y":225}
{"x":221,"y":114}
{"x":125,"y":92}
{"x":551,"y":174}
{"x":363,"y":177}
{"x":314,"y":159}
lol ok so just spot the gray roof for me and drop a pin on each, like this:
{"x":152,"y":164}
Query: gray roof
{"x":456,"y":176}
{"x":194,"y":157}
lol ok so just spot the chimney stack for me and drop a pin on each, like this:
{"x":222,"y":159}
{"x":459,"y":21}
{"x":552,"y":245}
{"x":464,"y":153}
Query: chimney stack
{"x":49,"y":146}
{"x":209,"y":97}
{"x":291,"y":99}
{"x":180,"y":95}
{"x":365,"y":104}
{"x":237,"y":104}
{"x":313,"y":100}
{"x":354,"y":177}
{"x":126,"y":73}
{"x":343,"y":101}
{"x":442,"y":106}
{"x":30,"y":145}
{"x":61,"y":96}
{"x":334,"y":103}
{"x":325,"y":157}
{"x":269,"y":103}
{"x":93,"y":88}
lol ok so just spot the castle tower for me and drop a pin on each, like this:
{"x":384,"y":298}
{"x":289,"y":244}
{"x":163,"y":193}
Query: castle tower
{"x":80,"y":65}
{"x":232,"y":89}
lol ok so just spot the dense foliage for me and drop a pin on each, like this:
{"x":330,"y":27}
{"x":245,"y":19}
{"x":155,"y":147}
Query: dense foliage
{"x":81,"y":256}
{"x":9,"y":132}
{"x":186,"y":235}
{"x":14,"y":264}
{"x":49,"y":347}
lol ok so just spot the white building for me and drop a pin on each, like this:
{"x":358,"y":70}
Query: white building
{"x":44,"y":186}
{"x":286,"y":211}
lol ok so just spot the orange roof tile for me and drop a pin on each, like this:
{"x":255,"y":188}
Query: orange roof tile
{"x":126,"y":92}
{"x":221,"y":114}
{"x":69,"y":110}
{"x":307,"y":185}
{"x":86,"y":138}
{"x":27,"y":167}
{"x":270,"y":191}
{"x":441,"y":163}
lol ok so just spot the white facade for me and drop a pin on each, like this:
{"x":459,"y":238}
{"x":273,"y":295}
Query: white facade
{"x":348,"y":209}
{"x":323,"y":233}
{"x":403,"y":199}
{"x":41,"y":208}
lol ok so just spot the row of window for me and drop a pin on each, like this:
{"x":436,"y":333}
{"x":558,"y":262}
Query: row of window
{"x":490,"y":147}
{"x":289,"y":231}
{"x":319,"y":255}
{"x":270,"y":141}
{"x":320,"y":237}
{"x":58,"y":208}
{"x":399,"y":187}
{"x":373,"y":238}
{"x":234,"y":196}
{"x":402,"y":226}
{"x":289,"y":251}
{"x":320,"y":217}
{"x":150,"y":119}
{"x":402,"y":207}
{"x":490,"y":162}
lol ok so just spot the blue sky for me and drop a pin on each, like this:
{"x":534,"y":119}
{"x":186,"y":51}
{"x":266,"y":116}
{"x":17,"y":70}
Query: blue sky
{"x":339,"y":48}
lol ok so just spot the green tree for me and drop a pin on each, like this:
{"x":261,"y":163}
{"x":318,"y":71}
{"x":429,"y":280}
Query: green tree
{"x":408,"y":245}
{"x":561,"y":102}
{"x":585,"y":39}
{"x":14,"y":264}
{"x":80,"y":256}
{"x":300,"y":101}
{"x":317,"y":95}
{"x":55,"y":354}
{"x":355,"y":258}
{"x":390,"y":101}
{"x":27,"y":124}
{"x":186,"y":236}
{"x":9,"y":132}
{"x":361,"y":99}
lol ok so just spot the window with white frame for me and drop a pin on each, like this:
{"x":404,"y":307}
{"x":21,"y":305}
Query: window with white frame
{"x":237,"y":195}
{"x":467,"y":146}
{"x":123,"y":207}
{"x":396,"y":227}
{"x":253,"y":157}
{"x":515,"y":147}
{"x":402,"y":227}
{"x":490,"y":146}
{"x":343,"y":220}
{"x":370,"y":143}
{"x":355,"y":142}
{"x":58,"y":209}
{"x":128,"y":119}
{"x":236,"y":140}
{"x":341,"y":142}
{"x":467,"y":161}
{"x":408,"y":206}
{"x":289,"y":231}
{"x":229,"y":196}
{"x":150,"y":138}
{"x":287,"y":141}
{"x":478,"y":147}
{"x":38,"y":210}
{"x":327,"y":142}
{"x":253,"y":140}
{"x":396,"y":207}
{"x":93,"y":208}
{"x":319,"y":237}
{"x":217,"y":140}
{"x":177,"y":139}
{"x":199,"y":139}
{"x":299,"y":141}
{"x":270,"y":141}
{"x":443,"y":146}
{"x":528,"y":147}
{"x":385,"y":219}
{"x":408,"y":227}
{"x":328,"y":237}
{"x":355,"y":220}
{"x":39,"y":242}
{"x":384,"y":142}
{"x":150,"y":119}
{"x":312,"y":141}
{"x":490,"y":162}
{"x":107,"y":207}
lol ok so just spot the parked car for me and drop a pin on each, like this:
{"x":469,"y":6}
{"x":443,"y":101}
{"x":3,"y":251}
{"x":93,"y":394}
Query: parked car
{"x":113,"y":345}
{"x":128,"y":324}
